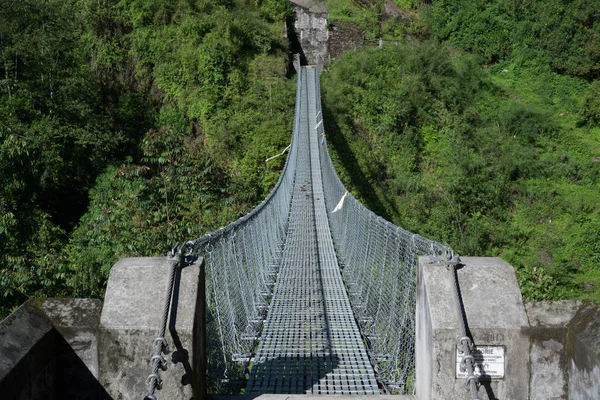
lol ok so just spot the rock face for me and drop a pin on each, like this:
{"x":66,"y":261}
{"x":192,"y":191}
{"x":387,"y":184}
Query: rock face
{"x":343,"y":38}
{"x":311,"y":30}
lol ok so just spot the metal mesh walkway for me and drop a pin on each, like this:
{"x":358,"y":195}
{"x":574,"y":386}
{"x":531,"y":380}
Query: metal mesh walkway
{"x":310,"y":342}
{"x":308,"y":224}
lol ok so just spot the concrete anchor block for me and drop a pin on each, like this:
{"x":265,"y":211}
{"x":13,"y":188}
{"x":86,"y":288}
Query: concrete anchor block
{"x":583,"y":353}
{"x":132,"y":312}
{"x":495,"y":316}
{"x":565,"y":350}
{"x":549,"y":322}
{"x":77,"y":321}
{"x":48,"y":350}
{"x":27,"y":357}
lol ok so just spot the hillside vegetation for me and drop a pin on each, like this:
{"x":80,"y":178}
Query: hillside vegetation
{"x":127,"y":126}
{"x":485,"y":136}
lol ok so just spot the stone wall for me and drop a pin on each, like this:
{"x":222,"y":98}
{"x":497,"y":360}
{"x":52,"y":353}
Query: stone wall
{"x":48,"y":350}
{"x":310,"y":28}
{"x":345,"y":37}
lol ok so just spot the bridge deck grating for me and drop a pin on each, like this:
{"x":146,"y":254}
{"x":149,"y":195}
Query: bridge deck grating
{"x":310,"y":342}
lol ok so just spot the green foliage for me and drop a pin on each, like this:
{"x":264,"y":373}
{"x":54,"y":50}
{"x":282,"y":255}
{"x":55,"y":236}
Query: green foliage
{"x":29,"y":260}
{"x":566,"y":35}
{"x":157,"y":115}
{"x":58,"y":130}
{"x":480,"y":27}
{"x":407,"y":3}
{"x":203,"y":162}
{"x":536,"y":284}
{"x":145,"y":209}
{"x":506,"y":169}
{"x":365,"y":14}
{"x":491,"y":162}
{"x":129,"y":125}
{"x":590,"y":107}
{"x":391,"y":21}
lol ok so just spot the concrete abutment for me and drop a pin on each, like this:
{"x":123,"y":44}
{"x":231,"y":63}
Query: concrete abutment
{"x":67,"y":349}
{"x":551,"y":350}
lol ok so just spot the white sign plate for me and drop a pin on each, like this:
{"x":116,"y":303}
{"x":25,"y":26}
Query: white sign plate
{"x":489,"y":362}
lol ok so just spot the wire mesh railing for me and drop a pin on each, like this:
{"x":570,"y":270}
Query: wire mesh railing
{"x":379,"y":266}
{"x":378,"y":261}
{"x":241,"y":264}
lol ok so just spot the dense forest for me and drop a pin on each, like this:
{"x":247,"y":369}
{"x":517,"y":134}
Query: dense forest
{"x":127,"y":126}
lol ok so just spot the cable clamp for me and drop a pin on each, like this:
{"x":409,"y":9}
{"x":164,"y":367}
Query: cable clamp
{"x":463,"y":362}
{"x":453,"y":261}
{"x":163,"y":344}
{"x":156,"y":378}
{"x":460,"y":344}
{"x":162,"y":363}
{"x":469,"y":379}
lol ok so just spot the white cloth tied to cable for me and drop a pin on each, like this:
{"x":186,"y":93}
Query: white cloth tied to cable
{"x":341,"y":203}
{"x":278,"y":155}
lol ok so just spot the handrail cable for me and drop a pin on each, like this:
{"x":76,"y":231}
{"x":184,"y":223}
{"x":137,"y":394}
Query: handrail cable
{"x":160,"y":347}
{"x":465,"y":343}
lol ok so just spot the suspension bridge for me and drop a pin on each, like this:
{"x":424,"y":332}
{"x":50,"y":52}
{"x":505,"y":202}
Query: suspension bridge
{"x":309,"y":293}
{"x":311,"y":289}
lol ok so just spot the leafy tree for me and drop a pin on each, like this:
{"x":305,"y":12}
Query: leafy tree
{"x":151,"y":113}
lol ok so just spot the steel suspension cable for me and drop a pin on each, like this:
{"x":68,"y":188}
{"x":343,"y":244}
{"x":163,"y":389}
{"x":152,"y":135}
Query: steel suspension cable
{"x":465,"y":343}
{"x":160,"y":346}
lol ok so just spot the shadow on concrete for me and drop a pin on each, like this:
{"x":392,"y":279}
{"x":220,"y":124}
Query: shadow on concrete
{"x":40,"y":362}
{"x":487,"y":385}
{"x":295,"y":46}
{"x":179,"y":354}
{"x":462,"y":312}
{"x":52,"y":370}
{"x":73,"y":379}
{"x":484,"y":380}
